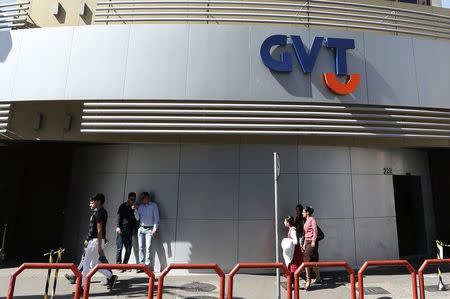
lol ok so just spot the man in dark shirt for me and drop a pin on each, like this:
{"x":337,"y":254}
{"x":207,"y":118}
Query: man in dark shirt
{"x":70,"y":276}
{"x":95,"y":240}
{"x":126,"y":222}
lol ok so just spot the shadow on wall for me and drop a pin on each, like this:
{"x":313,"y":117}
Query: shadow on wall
{"x":384,"y":88}
{"x":157,"y":252}
{"x":6,"y":42}
{"x":61,"y":16}
{"x":296,"y":83}
{"x":299,"y":84}
{"x":355,"y":64}
{"x":88,"y":15}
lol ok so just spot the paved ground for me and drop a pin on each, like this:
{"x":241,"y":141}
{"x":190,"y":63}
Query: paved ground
{"x":177,"y":286}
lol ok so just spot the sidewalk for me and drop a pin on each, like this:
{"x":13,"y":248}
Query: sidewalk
{"x":31,"y":284}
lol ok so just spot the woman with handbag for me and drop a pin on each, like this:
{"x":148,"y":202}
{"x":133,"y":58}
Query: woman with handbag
{"x":310,"y":246}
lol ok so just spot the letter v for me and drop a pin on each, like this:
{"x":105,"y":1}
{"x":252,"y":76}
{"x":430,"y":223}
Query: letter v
{"x":306,"y":60}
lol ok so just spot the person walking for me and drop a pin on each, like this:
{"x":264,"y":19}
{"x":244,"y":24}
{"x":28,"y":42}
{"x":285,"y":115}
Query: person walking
{"x":72,"y":277}
{"x":126,"y":223}
{"x":310,"y":246}
{"x":147,"y":214}
{"x":297,"y":258}
{"x":96,"y":240}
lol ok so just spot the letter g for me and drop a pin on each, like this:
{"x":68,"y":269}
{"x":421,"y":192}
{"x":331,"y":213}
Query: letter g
{"x":285,"y":62}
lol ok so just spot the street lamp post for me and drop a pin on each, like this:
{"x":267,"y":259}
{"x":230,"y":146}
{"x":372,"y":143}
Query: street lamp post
{"x":276,"y":176}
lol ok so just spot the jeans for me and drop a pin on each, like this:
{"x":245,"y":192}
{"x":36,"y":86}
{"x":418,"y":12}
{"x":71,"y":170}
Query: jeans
{"x":145,"y":241}
{"x":124,"y":239}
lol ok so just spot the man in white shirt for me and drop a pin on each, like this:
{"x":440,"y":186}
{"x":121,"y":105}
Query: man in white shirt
{"x":147,"y":215}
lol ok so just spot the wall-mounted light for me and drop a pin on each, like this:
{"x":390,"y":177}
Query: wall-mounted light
{"x":67,"y":121}
{"x":37,"y":120}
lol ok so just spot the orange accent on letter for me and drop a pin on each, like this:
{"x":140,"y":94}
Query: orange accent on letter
{"x":337,"y":87}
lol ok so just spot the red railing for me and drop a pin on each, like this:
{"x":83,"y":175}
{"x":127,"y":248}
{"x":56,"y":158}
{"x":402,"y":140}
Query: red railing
{"x":259,"y":266}
{"x":387,"y":263}
{"x":151,"y":276}
{"x":214,"y":267}
{"x":349,"y":269}
{"x":233,"y":272}
{"x":422,"y":268}
{"x":69,"y":266}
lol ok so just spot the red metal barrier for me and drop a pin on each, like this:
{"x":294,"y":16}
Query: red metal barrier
{"x":324,"y":265}
{"x":69,"y":266}
{"x":258,"y":266}
{"x":422,"y":268}
{"x":151,"y":280}
{"x":387,"y":263}
{"x":214,"y":267}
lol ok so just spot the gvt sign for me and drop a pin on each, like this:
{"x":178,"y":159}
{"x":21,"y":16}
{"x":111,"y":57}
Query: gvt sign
{"x":308,"y":60}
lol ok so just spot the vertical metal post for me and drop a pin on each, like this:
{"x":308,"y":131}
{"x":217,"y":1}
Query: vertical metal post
{"x":49,"y":273}
{"x":276,"y":175}
{"x":440,"y":246}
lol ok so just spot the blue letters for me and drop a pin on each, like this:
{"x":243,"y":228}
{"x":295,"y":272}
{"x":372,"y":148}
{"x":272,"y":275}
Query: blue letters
{"x":306,"y":61}
{"x":341,"y":45}
{"x":285,"y":62}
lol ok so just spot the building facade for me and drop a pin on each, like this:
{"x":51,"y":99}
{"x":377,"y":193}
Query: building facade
{"x":191,"y":100}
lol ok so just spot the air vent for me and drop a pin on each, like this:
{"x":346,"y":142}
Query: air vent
{"x":4,"y":116}
{"x":263,"y":118}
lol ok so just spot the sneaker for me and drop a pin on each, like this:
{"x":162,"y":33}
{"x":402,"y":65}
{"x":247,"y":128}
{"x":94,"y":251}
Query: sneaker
{"x":71,"y":278}
{"x":112,"y":282}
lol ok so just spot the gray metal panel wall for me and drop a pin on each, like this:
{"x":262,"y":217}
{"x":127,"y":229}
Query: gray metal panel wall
{"x":216,"y":200}
{"x":211,"y":62}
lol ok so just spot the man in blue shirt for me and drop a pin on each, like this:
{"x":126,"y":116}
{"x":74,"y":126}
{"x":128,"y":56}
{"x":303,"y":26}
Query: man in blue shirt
{"x":147,"y":215}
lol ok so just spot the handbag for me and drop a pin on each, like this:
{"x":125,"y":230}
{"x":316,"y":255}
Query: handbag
{"x":320,"y":234}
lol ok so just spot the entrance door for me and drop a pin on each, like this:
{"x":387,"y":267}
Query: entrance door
{"x":410,"y":215}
